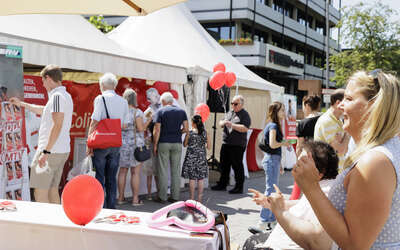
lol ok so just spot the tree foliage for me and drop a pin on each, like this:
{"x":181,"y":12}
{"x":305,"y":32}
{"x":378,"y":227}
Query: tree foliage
{"x":373,"y":39}
{"x":100,"y":23}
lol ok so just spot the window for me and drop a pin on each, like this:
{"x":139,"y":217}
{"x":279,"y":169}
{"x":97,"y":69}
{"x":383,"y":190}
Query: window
{"x":288,"y":10}
{"x":277,"y":5}
{"x":287,"y":45}
{"x":301,"y":17}
{"x":320,"y":27}
{"x":300,"y":50}
{"x":276,"y":41}
{"x":319,"y":60}
{"x":220,"y":31}
{"x":310,"y":20}
{"x":308,"y":57}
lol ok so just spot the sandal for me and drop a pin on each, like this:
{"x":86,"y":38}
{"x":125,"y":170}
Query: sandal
{"x":149,"y":197}
{"x":139,"y":203}
{"x":121,"y":202}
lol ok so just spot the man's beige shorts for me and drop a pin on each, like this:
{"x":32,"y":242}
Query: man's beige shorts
{"x":48,"y":179}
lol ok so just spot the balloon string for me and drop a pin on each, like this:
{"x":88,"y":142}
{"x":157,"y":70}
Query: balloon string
{"x":83,"y":239}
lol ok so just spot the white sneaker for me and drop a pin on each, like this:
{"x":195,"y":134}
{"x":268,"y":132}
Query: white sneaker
{"x":261,"y":227}
{"x":272,"y":225}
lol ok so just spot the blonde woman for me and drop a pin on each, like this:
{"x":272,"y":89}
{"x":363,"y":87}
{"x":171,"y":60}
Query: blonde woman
{"x":363,"y":207}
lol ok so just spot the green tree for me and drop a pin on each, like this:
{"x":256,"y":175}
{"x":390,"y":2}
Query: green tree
{"x":100,"y":23}
{"x":372,"y":37}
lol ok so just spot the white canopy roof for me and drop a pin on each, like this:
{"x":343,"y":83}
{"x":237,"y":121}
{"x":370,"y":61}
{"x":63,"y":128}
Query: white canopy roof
{"x":175,"y":36}
{"x":72,"y":42}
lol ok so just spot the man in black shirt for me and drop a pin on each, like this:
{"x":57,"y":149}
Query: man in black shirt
{"x":234,"y":144}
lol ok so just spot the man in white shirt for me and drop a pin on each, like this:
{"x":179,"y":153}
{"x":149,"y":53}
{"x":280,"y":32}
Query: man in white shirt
{"x":106,"y":161}
{"x":54,"y":138}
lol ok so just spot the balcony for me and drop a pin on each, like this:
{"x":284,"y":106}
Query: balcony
{"x":266,"y":55}
{"x":249,"y":54}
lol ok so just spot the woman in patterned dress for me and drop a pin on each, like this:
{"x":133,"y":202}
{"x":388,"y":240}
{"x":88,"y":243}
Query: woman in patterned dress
{"x":132,"y":137}
{"x":195,"y":166}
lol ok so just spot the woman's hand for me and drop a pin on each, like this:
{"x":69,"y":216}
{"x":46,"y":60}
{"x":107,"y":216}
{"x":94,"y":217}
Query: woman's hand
{"x":286,"y":144}
{"x":276,"y":201}
{"x":305,"y":172}
{"x":259,"y":198}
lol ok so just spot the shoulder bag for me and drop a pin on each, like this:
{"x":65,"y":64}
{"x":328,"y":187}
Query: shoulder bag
{"x":264,"y":147}
{"x":107,"y":134}
{"x":141,"y":153}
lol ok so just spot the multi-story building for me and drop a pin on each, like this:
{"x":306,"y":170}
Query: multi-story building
{"x":287,"y":39}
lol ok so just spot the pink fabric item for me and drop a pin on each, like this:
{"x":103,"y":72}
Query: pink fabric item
{"x":156,"y":221}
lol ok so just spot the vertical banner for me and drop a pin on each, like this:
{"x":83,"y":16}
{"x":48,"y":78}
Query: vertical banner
{"x":290,"y":102}
{"x":14,"y":176}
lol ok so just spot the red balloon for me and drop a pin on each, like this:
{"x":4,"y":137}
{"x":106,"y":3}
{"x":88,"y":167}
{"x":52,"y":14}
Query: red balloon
{"x":174,"y":94}
{"x":230,"y":79}
{"x":203,"y":110}
{"x":217,"y":80}
{"x":219,"y":67}
{"x":82,"y":199}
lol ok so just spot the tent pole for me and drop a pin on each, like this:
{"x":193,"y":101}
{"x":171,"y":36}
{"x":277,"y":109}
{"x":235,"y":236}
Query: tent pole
{"x":212,"y":162}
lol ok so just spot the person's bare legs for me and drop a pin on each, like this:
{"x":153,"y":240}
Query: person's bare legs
{"x":135,"y":183}
{"x":149,"y":182}
{"x":192,"y":187}
{"x":200,"y":188}
{"x":54,"y":196}
{"x":41,"y":195}
{"x":121,"y":183}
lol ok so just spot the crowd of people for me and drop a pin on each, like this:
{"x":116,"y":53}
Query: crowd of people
{"x":348,"y":164}
{"x":162,"y":129}
{"x":358,"y":136}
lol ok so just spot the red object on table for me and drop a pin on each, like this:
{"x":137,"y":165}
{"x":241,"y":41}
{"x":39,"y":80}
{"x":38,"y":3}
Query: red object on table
{"x":251,"y":151}
{"x":82,"y":199}
{"x":296,"y":192}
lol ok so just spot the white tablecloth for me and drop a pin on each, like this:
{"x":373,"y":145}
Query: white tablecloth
{"x":45,"y":226}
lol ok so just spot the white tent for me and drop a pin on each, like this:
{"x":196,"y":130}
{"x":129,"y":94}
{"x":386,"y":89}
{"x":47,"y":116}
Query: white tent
{"x":72,"y":42}
{"x":175,"y":36}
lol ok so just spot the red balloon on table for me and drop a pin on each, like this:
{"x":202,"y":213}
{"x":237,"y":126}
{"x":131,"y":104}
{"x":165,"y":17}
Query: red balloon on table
{"x":230,"y":79}
{"x":217,"y":80}
{"x":82,"y":199}
{"x":219,"y":67}
{"x":203,"y":110}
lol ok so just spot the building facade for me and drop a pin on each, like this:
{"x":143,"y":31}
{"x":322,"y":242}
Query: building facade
{"x":283,"y":41}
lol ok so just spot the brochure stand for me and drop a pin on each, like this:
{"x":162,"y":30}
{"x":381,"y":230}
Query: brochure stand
{"x":14,"y":174}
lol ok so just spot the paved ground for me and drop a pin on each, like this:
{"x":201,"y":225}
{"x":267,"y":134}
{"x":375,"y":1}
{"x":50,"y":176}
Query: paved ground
{"x":242,"y":212}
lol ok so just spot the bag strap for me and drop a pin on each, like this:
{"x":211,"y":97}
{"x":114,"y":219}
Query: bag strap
{"x":104,"y":100}
{"x":134,"y":125}
{"x":226,"y":234}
